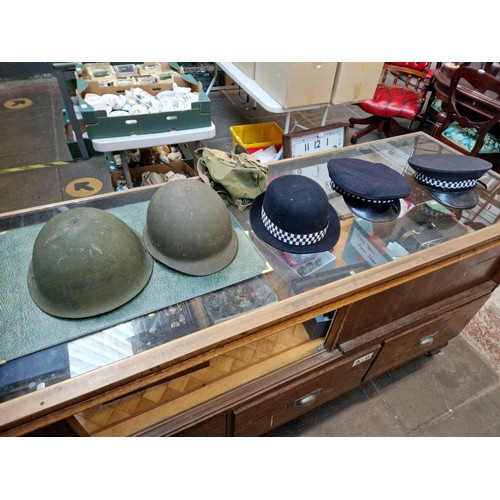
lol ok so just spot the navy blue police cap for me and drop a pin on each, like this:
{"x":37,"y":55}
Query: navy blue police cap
{"x":370,"y":190}
{"x":450,"y":178}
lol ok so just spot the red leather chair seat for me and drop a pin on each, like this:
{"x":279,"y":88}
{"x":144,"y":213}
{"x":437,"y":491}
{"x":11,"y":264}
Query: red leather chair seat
{"x":414,"y":65}
{"x":391,"y":102}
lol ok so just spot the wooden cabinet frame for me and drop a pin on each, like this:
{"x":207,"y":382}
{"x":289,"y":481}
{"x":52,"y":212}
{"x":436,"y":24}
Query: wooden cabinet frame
{"x":474,"y":259}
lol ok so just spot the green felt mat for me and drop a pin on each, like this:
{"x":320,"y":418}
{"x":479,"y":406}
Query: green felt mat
{"x":24,"y":328}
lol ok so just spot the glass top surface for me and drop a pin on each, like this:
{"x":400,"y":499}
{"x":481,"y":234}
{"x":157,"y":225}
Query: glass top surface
{"x":423,"y":223}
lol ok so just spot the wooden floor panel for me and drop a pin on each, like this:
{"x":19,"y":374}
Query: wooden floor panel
{"x":97,"y":419}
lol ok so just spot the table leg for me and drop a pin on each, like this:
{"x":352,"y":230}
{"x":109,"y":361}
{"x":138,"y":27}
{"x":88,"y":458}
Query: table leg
{"x":214,"y":79}
{"x":126,"y":171}
{"x":287,"y":122}
{"x":325,"y":114}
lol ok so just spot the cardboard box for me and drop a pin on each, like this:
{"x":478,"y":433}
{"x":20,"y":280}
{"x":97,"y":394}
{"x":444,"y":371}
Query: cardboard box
{"x":126,"y":70}
{"x":109,"y":74}
{"x":187,"y":156}
{"x":101,"y":72}
{"x":161,"y":168}
{"x":355,"y":81}
{"x":99,"y":125}
{"x":247,"y":67}
{"x":297,"y":84}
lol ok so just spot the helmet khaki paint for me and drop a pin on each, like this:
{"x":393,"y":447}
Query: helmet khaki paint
{"x":86,"y":262}
{"x":188,"y":228}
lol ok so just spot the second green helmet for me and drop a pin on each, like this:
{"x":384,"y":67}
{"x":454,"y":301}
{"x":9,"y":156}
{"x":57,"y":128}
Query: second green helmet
{"x":188,"y":228}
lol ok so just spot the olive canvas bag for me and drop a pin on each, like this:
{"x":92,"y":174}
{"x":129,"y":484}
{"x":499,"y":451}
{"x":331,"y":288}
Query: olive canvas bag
{"x":238,"y":177}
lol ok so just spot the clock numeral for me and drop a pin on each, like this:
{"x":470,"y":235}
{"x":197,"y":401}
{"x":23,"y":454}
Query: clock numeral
{"x":307,"y":143}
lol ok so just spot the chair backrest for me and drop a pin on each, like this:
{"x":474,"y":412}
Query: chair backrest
{"x":481,"y":85}
{"x":416,"y":77}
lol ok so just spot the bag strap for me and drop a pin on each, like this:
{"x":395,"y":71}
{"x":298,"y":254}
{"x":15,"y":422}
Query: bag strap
{"x":202,"y":171}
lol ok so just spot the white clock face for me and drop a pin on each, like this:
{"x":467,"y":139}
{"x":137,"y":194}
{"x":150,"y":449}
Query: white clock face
{"x":318,"y":173}
{"x":323,"y":141}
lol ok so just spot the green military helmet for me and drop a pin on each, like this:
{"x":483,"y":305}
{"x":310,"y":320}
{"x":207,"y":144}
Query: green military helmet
{"x":87,"y":262}
{"x":188,"y":228}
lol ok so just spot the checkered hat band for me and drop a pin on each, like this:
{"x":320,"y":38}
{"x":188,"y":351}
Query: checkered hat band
{"x":290,"y":238}
{"x":429,"y":181}
{"x":341,"y":191}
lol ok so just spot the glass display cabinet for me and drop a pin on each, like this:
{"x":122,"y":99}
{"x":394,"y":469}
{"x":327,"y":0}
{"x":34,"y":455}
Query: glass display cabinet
{"x":245,"y":358}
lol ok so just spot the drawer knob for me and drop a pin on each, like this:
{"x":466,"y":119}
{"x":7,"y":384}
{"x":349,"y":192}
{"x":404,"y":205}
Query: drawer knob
{"x":427,"y":340}
{"x":307,"y":400}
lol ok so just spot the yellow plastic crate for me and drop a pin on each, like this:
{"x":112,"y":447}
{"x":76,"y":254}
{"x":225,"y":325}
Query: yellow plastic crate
{"x":257,"y":136}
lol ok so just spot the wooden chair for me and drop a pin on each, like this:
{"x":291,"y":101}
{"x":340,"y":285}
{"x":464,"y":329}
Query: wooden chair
{"x":459,"y":126}
{"x":400,"y":93}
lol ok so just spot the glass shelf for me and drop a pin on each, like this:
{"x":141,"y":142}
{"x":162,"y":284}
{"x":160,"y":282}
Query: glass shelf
{"x":362,"y":245}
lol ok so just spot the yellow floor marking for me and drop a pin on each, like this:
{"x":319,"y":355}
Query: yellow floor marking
{"x":85,"y":186}
{"x":18,"y":103}
{"x":32,"y":167}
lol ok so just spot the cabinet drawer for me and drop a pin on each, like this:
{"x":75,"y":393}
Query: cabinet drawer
{"x":302,"y":394}
{"x":410,"y":345}
{"x":423,"y":338}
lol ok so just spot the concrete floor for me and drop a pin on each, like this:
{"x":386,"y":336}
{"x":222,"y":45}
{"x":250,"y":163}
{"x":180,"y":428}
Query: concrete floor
{"x":453,"y":393}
